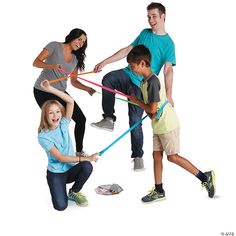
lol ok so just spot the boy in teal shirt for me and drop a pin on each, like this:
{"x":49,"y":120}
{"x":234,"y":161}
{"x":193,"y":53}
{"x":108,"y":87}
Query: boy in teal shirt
{"x":165,"y":128}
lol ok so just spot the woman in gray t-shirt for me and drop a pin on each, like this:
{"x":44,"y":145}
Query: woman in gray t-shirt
{"x":68,"y":56}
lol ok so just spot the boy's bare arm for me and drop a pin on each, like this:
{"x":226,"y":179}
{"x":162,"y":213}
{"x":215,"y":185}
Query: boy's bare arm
{"x":150,"y":108}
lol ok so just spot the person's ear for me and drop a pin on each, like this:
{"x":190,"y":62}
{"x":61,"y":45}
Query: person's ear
{"x":163,"y":17}
{"x":143,"y":63}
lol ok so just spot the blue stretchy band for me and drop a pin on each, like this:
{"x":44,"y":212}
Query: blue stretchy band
{"x":126,"y":132}
{"x":161,"y":109}
{"x":132,"y":127}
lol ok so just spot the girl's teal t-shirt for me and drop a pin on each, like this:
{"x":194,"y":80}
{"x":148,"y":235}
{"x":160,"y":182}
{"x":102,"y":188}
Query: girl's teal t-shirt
{"x":59,"y":138}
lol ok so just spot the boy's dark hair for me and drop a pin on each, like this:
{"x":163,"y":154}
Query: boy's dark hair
{"x":139,"y":53}
{"x":80,"y":53}
{"x":157,"y":5}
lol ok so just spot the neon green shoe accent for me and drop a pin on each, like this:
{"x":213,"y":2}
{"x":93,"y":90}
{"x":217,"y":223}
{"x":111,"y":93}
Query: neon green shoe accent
{"x":153,"y":196}
{"x":79,"y":198}
{"x":210,"y":184}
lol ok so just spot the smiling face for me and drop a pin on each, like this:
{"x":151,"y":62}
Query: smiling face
{"x":137,"y":68}
{"x":155,"y":19}
{"x":53,"y":115}
{"x":78,"y":42}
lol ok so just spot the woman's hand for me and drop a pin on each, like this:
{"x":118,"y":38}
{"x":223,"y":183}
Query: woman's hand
{"x":57,"y":67}
{"x":91,"y":91}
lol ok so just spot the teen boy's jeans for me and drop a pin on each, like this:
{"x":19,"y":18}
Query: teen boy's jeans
{"x":78,"y":174}
{"x":120,"y":81}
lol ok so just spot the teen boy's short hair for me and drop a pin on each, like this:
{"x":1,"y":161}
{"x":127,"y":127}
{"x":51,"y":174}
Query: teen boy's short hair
{"x":139,"y":53}
{"x":157,"y":5}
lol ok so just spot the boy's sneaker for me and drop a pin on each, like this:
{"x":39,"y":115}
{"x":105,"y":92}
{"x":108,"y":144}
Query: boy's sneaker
{"x":210,"y":185}
{"x":138,"y":163}
{"x":105,"y":124}
{"x":79,"y":198}
{"x":153,"y":196}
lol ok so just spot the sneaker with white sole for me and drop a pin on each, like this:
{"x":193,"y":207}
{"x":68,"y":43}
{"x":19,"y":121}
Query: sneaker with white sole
{"x":105,"y":124}
{"x":138,"y":163}
{"x":79,"y":198}
{"x":153,"y":196}
{"x":82,"y":154}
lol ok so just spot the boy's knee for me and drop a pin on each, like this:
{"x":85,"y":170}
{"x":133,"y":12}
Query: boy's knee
{"x":157,"y":155}
{"x":108,"y":78}
{"x":172,"y":158}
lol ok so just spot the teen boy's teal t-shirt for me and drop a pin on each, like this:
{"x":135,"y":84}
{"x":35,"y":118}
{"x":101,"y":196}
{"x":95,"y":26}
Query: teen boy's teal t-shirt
{"x":59,"y":138}
{"x":162,"y":49}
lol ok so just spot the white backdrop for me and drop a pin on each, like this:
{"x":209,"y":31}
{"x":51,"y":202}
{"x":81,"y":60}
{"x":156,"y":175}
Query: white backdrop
{"x":203,"y":91}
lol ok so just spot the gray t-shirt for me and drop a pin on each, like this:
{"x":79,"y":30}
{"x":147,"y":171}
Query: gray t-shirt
{"x":56,"y":56}
{"x":150,"y":89}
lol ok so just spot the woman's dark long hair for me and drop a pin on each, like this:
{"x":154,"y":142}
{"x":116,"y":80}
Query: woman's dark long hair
{"x":80,"y":53}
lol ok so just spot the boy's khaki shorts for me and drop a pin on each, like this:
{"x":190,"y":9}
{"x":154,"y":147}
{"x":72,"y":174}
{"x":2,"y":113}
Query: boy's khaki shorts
{"x":169,"y":143}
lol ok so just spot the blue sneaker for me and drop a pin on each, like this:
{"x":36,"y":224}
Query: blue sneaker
{"x":210,"y":184}
{"x":153,"y":196}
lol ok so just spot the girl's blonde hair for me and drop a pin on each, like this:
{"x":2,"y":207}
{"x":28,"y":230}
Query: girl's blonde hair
{"x":44,"y":111}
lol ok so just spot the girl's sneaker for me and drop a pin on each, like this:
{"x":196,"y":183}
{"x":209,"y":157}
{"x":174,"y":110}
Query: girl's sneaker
{"x":79,"y":198}
{"x":82,"y":154}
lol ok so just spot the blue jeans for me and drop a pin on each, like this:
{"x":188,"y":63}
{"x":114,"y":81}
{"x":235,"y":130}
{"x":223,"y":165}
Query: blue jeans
{"x":120,"y":81}
{"x":78,"y":174}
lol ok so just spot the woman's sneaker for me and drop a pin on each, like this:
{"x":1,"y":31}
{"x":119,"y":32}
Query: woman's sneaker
{"x":82,"y":154}
{"x":79,"y":198}
{"x":210,"y":184}
{"x":154,"y":196}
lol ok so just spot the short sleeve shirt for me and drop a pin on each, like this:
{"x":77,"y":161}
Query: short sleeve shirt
{"x":60,"y":139}
{"x":56,"y":56}
{"x":162,"y":49}
{"x":154,"y":91}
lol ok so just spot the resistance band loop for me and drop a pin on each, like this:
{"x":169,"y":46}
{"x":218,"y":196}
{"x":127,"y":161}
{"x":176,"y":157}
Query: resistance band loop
{"x":77,"y":76}
{"x":68,"y":76}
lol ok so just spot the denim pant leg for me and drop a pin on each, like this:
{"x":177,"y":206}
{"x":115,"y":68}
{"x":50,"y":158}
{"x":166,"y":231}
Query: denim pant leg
{"x":79,"y":174}
{"x":119,"y":81}
{"x":135,"y":114}
{"x":57,"y":186}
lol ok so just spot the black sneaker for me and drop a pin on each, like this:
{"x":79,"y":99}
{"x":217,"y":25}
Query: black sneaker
{"x":153,"y":196}
{"x":210,"y":185}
